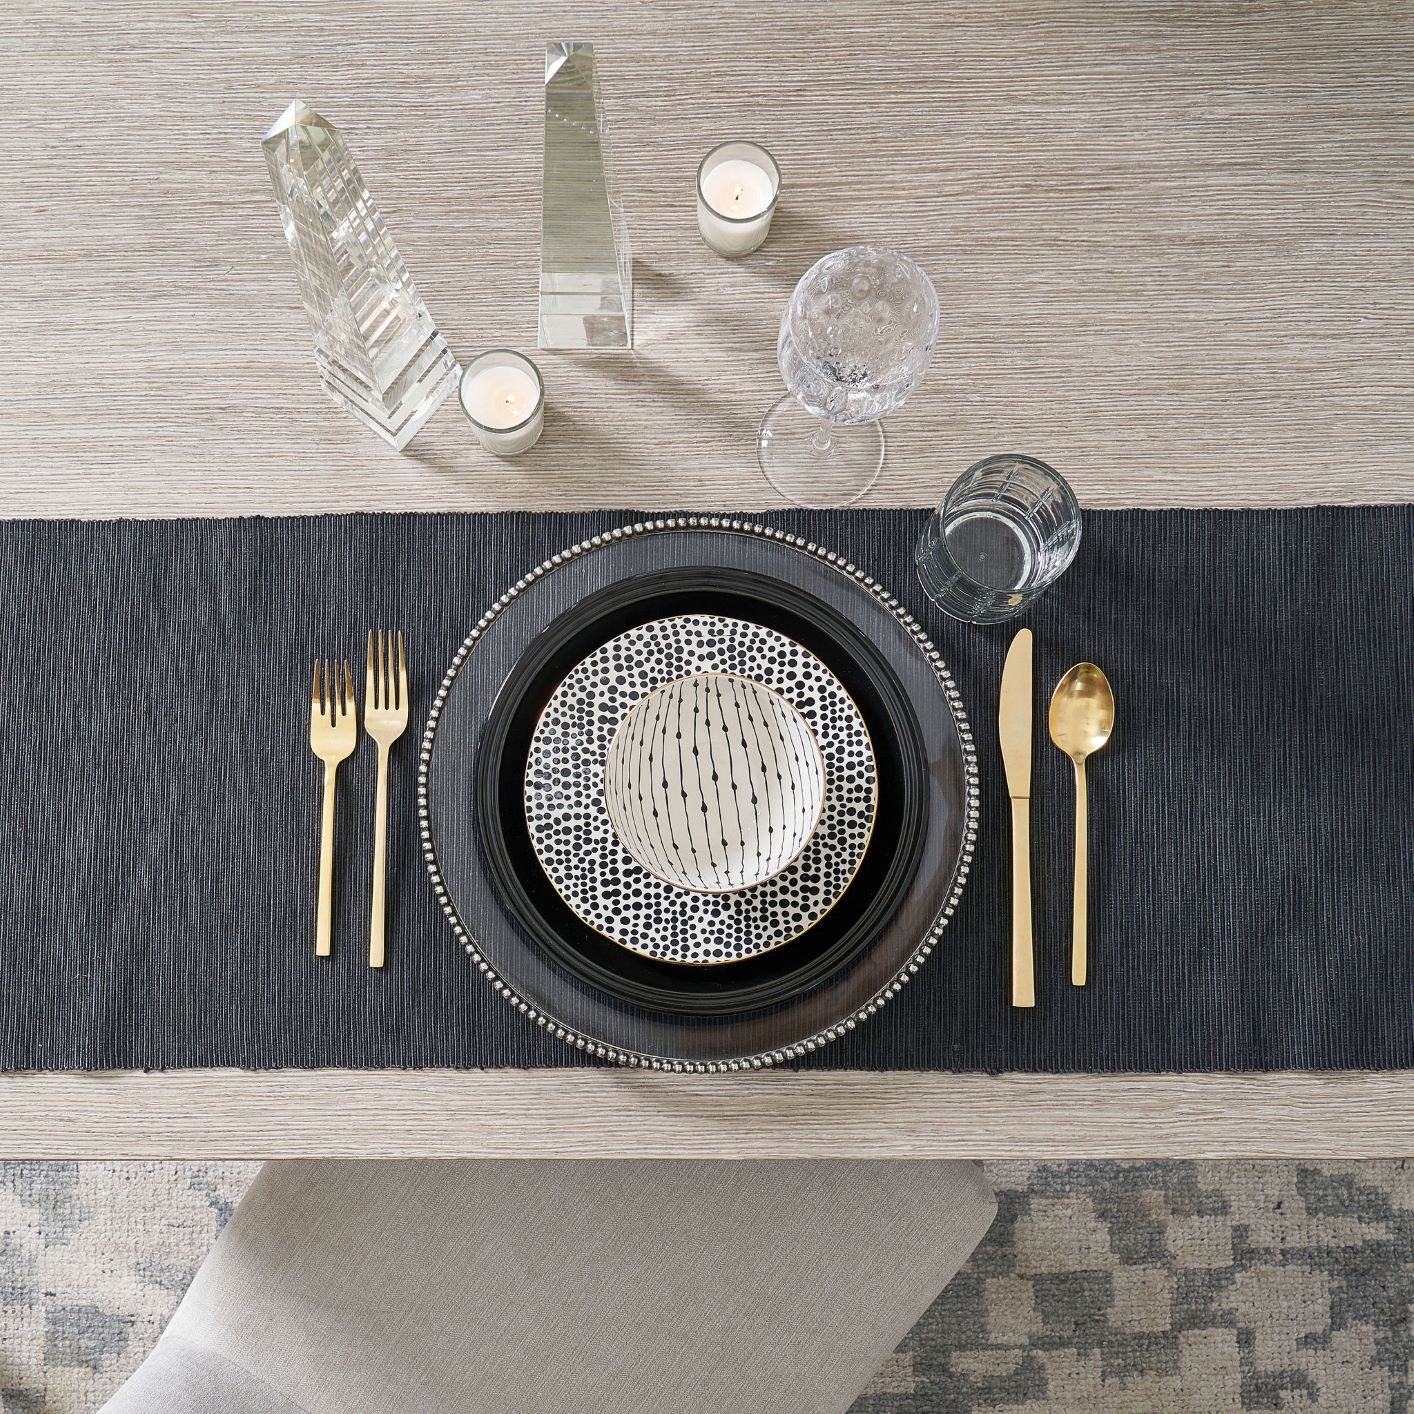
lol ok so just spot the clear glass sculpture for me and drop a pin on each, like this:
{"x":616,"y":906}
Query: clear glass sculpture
{"x":375,"y":344}
{"x":586,"y":270}
{"x":854,"y":341}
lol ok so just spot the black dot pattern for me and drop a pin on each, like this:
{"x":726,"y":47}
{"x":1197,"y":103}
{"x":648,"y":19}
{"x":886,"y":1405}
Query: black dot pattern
{"x":714,"y":782}
{"x":574,"y":836}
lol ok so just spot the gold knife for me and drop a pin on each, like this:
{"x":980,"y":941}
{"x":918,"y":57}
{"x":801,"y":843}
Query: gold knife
{"x":1014,"y":729}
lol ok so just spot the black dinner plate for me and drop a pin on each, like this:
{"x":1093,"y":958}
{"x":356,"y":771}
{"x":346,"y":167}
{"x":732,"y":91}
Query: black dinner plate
{"x":605,"y":997}
{"x":889,"y":861}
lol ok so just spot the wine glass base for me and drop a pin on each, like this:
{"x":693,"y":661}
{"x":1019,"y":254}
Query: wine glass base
{"x":816,"y":463}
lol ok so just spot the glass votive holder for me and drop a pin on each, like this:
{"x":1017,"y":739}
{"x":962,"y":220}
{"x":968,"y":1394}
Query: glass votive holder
{"x":1009,"y":527}
{"x":738,"y":185}
{"x":503,"y":397}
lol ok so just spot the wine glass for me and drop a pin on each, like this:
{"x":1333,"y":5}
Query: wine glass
{"x":854,"y":341}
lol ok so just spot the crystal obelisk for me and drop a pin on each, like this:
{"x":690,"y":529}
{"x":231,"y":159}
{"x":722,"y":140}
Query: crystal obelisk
{"x":377,"y":349}
{"x":586,"y":271}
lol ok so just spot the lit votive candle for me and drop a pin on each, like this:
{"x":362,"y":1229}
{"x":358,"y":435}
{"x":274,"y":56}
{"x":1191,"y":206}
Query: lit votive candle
{"x":503,"y":397}
{"x":737,"y":187}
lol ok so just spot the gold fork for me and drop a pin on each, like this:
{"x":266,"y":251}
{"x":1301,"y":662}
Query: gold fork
{"x":333,"y":731}
{"x":385,"y":718}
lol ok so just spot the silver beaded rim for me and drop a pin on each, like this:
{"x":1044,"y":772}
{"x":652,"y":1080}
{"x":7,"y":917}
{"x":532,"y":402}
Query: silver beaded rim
{"x":588,"y":1044}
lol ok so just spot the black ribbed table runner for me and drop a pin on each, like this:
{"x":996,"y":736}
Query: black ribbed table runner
{"x":1252,"y":831}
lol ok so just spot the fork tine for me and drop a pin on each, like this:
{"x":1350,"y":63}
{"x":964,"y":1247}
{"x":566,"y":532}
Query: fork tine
{"x":385,"y":663}
{"x":326,"y":696}
{"x":402,"y":673}
{"x":370,"y":686}
{"x":347,"y":710}
{"x":314,"y":699}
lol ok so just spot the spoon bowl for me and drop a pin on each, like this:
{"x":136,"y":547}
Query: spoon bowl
{"x":1082,"y":711}
{"x":1082,"y":718}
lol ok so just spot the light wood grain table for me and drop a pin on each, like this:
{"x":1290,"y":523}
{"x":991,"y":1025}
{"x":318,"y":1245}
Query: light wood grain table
{"x":1172,"y":246}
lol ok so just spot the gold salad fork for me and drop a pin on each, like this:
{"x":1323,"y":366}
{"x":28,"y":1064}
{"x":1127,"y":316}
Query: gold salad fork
{"x":385,"y":718}
{"x":333,"y":731}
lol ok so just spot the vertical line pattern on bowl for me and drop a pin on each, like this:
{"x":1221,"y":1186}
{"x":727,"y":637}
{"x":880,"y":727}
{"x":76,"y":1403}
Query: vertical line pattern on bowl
{"x":645,"y":775}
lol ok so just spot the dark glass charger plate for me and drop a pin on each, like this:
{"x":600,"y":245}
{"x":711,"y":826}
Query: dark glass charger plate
{"x":602,"y":997}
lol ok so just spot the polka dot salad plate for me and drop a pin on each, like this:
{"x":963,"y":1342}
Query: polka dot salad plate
{"x":688,"y":876}
{"x":610,"y":953}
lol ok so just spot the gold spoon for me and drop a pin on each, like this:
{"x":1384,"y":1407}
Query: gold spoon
{"x":1082,"y":717}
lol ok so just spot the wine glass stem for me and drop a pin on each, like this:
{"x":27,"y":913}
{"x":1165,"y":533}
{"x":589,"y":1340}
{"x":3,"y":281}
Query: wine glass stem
{"x":820,"y":442}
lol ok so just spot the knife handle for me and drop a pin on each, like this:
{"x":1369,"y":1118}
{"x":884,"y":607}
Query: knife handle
{"x":1023,"y":970}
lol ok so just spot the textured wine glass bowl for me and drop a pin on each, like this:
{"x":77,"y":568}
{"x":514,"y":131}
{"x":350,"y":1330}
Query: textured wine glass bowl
{"x":714,"y":783}
{"x":857,"y":333}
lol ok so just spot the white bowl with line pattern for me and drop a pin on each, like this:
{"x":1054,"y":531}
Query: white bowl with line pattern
{"x":714,"y":783}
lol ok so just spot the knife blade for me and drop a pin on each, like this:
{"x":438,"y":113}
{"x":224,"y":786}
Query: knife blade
{"x":1014,"y":730}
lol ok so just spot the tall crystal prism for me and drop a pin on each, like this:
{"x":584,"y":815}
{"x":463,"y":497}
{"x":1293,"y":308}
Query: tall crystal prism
{"x":375,"y":344}
{"x":586,"y":271}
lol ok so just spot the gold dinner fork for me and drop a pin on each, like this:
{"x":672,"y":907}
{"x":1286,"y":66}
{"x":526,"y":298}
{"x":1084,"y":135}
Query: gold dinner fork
{"x":333,"y":731}
{"x":385,"y":718}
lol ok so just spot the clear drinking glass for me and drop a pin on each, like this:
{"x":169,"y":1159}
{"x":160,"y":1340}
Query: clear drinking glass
{"x":1009,"y":527}
{"x":854,"y":341}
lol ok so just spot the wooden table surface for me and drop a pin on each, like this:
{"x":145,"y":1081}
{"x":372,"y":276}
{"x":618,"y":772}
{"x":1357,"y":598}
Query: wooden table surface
{"x":1172,"y":246}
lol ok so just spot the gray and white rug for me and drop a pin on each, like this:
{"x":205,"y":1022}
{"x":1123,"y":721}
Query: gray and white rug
{"x":1191,"y":1288}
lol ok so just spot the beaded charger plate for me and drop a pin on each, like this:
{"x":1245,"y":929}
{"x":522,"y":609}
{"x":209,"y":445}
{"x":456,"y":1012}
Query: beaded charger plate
{"x":622,"y":897}
{"x":606,"y":999}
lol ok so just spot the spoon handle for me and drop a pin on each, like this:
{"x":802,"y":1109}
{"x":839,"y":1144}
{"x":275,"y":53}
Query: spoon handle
{"x":1082,"y":828}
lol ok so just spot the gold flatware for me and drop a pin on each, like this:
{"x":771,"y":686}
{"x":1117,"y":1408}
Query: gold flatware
{"x":333,"y":732}
{"x":1082,"y":717}
{"x":385,"y":718}
{"x":1014,"y":729}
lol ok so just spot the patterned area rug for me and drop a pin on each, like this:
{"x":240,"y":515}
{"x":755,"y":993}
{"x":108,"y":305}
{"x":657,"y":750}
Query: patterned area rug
{"x":1192,"y":1288}
{"x":93,"y":1260}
